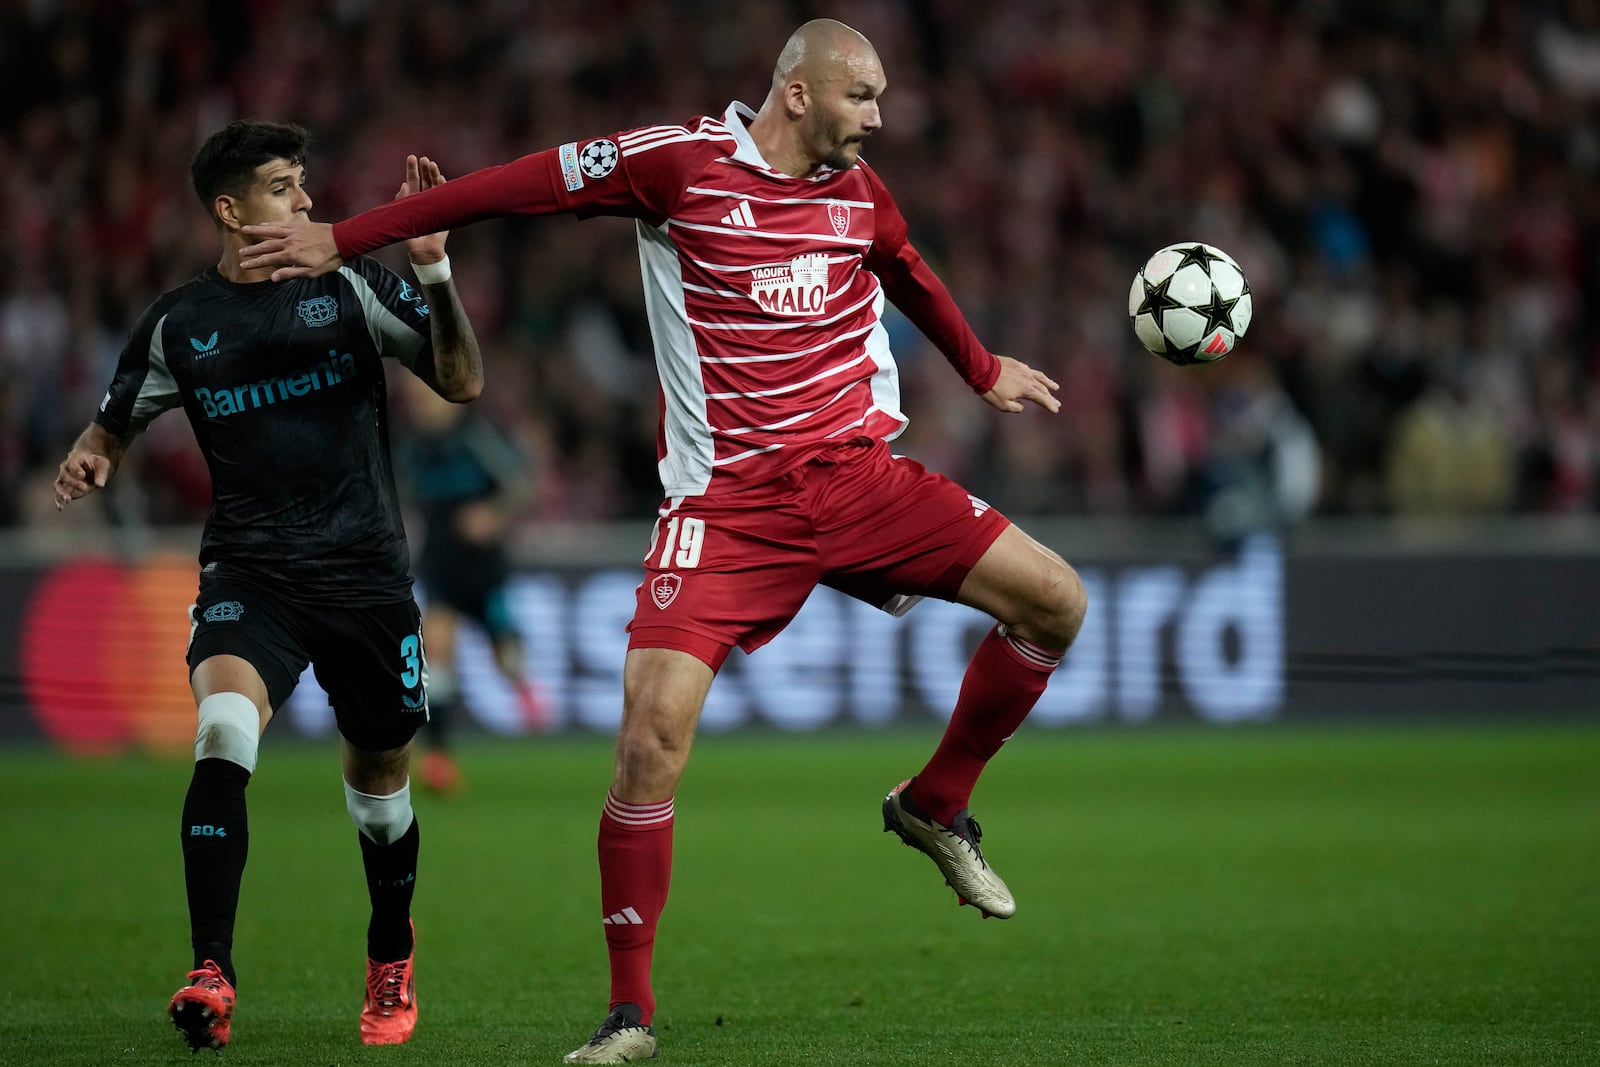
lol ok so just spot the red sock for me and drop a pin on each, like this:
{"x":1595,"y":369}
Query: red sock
{"x":1002,"y":683}
{"x":635,"y":870}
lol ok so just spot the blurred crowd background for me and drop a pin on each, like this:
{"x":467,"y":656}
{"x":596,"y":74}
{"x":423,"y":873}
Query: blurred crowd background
{"x":1411,"y":189}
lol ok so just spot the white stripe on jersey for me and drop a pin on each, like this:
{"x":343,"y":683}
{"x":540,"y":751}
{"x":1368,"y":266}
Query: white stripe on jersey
{"x":886,"y":382}
{"x":673,"y":140}
{"x":649,"y":133}
{"x":158,"y":391}
{"x":685,"y":463}
{"x":800,"y":416}
{"x":790,"y":387}
{"x":679,"y":224}
{"x":746,"y":268}
{"x":723,"y":462}
{"x":784,"y":356}
{"x":731,"y":294}
{"x":669,"y":135}
{"x":864,"y":205}
{"x":389,"y":334}
{"x":702,"y":124}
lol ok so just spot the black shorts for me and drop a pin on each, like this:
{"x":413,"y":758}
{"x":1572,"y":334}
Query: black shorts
{"x":474,"y":588}
{"x":369,"y":659}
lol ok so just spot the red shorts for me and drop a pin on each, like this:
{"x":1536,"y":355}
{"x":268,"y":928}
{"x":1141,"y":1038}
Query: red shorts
{"x":734,"y":568}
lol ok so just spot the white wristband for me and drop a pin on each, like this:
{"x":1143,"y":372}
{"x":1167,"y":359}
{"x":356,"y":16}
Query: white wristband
{"x":432,"y":273}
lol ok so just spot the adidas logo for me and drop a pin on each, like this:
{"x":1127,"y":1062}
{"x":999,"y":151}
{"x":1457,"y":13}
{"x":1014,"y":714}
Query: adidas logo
{"x":978,"y":506}
{"x":625,"y":917}
{"x":740,"y":216}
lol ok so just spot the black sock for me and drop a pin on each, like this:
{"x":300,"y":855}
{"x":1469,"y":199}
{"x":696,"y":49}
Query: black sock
{"x":216,"y":839}
{"x":441,"y":717}
{"x":391,"y":879}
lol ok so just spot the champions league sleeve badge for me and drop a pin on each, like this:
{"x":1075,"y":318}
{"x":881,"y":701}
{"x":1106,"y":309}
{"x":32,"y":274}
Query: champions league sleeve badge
{"x":598,"y":158}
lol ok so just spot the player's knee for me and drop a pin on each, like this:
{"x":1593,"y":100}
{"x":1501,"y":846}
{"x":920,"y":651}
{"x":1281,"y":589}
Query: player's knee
{"x":1057,"y":613}
{"x":649,"y":742}
{"x":229,"y":728}
{"x":651,"y":747}
{"x":383,"y":819}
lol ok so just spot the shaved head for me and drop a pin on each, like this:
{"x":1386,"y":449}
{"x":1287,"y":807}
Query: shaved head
{"x":821,"y":50}
{"x":823,"y":104}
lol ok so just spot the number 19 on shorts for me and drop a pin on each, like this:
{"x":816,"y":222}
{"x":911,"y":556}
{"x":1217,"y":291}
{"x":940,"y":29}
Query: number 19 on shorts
{"x":685,"y":537}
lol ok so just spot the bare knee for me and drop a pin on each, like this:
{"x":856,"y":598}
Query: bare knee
{"x":651,"y":753}
{"x":1054,"y":615}
{"x":377,"y":771}
{"x":662,"y":691}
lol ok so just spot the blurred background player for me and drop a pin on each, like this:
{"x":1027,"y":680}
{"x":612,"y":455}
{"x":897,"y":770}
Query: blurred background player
{"x":467,"y":481}
{"x":304,"y":557}
{"x":768,"y":250}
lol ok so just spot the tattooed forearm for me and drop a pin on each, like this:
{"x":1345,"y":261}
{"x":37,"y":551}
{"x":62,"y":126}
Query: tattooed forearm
{"x":457,"y":360}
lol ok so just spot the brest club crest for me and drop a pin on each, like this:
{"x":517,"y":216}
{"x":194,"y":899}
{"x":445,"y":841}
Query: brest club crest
{"x":664,"y":589}
{"x":839,"y":215}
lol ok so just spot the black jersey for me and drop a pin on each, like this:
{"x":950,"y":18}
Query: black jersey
{"x":448,"y":468}
{"x":284,"y":386}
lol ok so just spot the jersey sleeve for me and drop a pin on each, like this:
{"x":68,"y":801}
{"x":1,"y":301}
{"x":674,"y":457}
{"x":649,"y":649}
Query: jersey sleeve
{"x":911,"y":286}
{"x":395,"y":313}
{"x":636,"y":173}
{"x":640,"y":173}
{"x":142,"y":386}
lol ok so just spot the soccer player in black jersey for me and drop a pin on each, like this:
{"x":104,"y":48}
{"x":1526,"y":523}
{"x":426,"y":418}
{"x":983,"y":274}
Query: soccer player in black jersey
{"x":304,"y":557}
{"x":465,"y":478}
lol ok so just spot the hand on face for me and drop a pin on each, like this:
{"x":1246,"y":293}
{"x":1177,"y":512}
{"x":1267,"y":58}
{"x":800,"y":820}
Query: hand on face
{"x":298,"y":250}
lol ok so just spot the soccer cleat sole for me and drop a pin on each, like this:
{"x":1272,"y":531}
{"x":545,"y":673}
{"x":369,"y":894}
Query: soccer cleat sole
{"x":624,"y":1046}
{"x":992,"y":901}
{"x":193,"y":1021}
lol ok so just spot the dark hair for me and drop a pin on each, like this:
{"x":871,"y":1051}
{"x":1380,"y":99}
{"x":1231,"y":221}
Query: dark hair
{"x":227,"y":161}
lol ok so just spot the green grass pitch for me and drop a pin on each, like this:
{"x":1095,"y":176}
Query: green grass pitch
{"x":1227,"y":897}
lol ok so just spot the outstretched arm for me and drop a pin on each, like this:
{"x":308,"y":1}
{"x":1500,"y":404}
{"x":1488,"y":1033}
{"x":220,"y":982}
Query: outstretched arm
{"x":523,"y":187}
{"x":910,"y":284}
{"x":1003,"y":382}
{"x":454,"y":368}
{"x":89,"y":465}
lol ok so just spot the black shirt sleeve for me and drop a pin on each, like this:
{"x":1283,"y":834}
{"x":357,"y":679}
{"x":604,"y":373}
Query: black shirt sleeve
{"x":142,"y":387}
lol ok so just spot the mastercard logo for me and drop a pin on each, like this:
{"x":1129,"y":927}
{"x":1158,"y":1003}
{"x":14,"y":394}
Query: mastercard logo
{"x":103,"y":647}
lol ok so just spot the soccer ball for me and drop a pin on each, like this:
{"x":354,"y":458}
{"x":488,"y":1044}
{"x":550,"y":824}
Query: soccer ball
{"x":1190,"y":303}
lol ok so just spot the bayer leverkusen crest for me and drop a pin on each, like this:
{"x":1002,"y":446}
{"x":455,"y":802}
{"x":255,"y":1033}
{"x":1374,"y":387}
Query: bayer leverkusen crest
{"x":664,"y":589}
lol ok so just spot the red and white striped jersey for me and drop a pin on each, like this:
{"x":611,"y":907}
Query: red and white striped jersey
{"x":768,"y":334}
{"x":764,"y":292}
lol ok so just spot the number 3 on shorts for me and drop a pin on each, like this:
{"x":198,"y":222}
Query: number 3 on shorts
{"x":411,"y":653}
{"x":686,"y":536}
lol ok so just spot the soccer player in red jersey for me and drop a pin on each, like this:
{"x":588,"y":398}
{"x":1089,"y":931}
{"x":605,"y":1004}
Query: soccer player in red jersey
{"x":768,"y":248}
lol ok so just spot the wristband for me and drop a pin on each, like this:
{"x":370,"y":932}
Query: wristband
{"x":432,"y":273}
